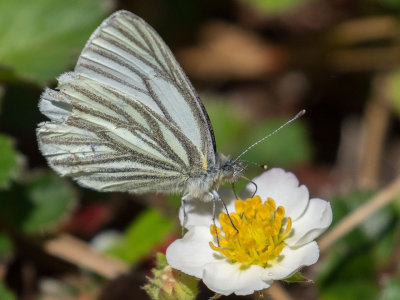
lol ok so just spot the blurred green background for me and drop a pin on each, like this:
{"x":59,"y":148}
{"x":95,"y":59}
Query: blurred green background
{"x":255,"y":64}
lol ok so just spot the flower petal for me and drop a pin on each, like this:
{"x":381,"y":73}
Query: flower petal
{"x":284,"y":188}
{"x":315,"y":220}
{"x":190,"y":253}
{"x":292,"y":260}
{"x":226,"y":278}
{"x":199,"y":213}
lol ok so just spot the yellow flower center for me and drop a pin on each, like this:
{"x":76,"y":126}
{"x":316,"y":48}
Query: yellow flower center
{"x":260,"y":235}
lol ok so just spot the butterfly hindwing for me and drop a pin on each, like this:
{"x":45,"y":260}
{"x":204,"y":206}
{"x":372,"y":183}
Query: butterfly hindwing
{"x":109,"y":141}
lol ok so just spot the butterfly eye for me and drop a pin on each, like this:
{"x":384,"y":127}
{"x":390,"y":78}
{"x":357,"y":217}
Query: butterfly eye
{"x":228,"y":167}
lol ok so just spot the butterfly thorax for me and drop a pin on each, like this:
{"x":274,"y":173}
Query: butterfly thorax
{"x":225,"y":170}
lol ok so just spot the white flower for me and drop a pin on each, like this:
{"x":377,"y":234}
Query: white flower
{"x":274,"y":238}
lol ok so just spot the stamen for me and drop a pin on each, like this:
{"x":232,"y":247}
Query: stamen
{"x":257,"y":235}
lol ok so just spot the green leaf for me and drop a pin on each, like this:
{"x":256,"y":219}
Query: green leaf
{"x":5,"y":293}
{"x":146,"y":231}
{"x":8,"y":161}
{"x":39,"y":205}
{"x":40,"y":39}
{"x":297,"y":277}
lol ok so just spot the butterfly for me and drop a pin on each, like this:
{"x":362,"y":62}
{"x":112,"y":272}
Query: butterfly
{"x":128,"y":119}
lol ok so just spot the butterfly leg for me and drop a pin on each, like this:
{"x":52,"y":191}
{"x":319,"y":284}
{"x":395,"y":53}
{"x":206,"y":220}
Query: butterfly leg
{"x":234,"y":192}
{"x":184,"y":210}
{"x":216,"y":196}
{"x":184,"y":213}
{"x":213,"y":218}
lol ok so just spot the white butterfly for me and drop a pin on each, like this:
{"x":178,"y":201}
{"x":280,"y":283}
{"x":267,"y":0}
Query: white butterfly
{"x":128,"y":119}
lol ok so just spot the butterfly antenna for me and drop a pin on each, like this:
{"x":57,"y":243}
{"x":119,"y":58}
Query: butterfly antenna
{"x":298,"y":115}
{"x":252,"y":163}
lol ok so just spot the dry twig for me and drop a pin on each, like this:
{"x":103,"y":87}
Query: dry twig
{"x":83,"y":255}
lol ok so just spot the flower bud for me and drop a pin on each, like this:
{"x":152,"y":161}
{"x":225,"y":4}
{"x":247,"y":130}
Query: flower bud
{"x":168,"y":283}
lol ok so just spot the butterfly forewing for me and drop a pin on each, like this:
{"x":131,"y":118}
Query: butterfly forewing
{"x":127,"y":119}
{"x":126,"y":54}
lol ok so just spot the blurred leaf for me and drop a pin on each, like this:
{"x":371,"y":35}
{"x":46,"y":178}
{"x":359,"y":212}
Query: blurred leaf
{"x":288,"y":147}
{"x":146,"y":231}
{"x":350,"y":290}
{"x":391,"y":291}
{"x":6,"y":246}
{"x":229,"y":127}
{"x":344,"y":204}
{"x":174,"y":201}
{"x":5,"y":294}
{"x":297,"y":277}
{"x":41,"y":204}
{"x":391,"y":3}
{"x":351,"y":260}
{"x":274,"y":6}
{"x":40,"y":39}
{"x":396,"y":204}
{"x":383,"y":250}
{"x":52,"y":199}
{"x":373,"y":227}
{"x":346,"y":265}
{"x":8,"y":161}
{"x":355,"y":259}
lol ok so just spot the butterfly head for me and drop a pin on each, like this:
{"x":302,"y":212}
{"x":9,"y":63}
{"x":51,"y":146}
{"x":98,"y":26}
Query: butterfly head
{"x":229,"y":170}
